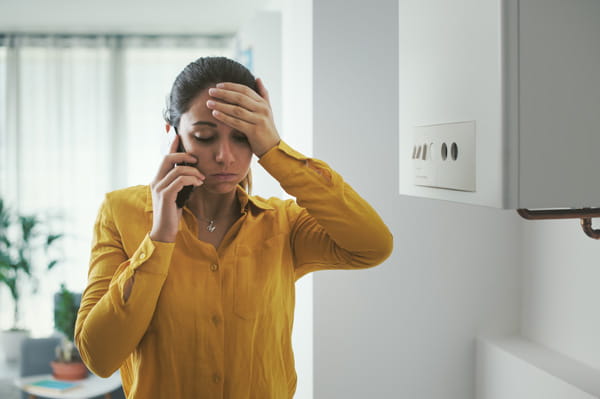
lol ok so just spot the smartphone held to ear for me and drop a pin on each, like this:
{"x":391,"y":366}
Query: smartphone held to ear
{"x":186,"y":191}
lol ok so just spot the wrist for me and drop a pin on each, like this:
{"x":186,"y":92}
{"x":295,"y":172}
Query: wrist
{"x":161,"y":237}
{"x":267,"y":148}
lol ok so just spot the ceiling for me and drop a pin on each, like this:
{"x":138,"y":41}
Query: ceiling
{"x":129,"y":16}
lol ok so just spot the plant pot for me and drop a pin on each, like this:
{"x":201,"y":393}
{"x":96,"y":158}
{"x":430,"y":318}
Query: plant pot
{"x":11,"y":344}
{"x":69,"y":371}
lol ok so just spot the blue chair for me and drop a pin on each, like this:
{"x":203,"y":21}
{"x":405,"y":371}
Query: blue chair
{"x":36,"y":355}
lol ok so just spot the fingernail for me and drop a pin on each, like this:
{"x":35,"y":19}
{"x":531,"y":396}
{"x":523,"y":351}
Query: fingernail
{"x":210,"y":103}
{"x":212,"y":91}
{"x":220,"y":85}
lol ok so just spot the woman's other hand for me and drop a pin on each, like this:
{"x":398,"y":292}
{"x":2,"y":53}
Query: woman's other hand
{"x":169,"y":180}
{"x":242,"y":109}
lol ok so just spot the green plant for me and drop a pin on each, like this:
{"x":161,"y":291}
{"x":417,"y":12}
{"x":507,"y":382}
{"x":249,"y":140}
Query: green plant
{"x":23,"y":239}
{"x":65,"y":315}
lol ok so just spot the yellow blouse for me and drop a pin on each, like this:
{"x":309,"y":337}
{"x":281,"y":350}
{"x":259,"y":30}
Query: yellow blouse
{"x":206,"y":322}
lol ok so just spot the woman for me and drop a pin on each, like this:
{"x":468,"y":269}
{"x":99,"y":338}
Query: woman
{"x":198,"y":302}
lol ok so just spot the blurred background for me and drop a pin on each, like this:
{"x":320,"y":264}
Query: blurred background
{"x":474,"y":302}
{"x":83,"y":87}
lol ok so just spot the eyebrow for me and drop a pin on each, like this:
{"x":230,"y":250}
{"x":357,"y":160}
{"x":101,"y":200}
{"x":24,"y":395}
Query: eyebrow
{"x":200,"y":123}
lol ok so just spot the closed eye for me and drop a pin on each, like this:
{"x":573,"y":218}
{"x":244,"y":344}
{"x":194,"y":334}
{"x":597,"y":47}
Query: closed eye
{"x":204,"y":139}
{"x":240,"y":137}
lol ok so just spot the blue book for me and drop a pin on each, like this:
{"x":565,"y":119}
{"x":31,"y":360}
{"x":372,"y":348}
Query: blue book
{"x":53,"y":385}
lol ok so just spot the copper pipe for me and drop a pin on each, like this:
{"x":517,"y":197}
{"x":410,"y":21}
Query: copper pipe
{"x":586,"y":224}
{"x":559,"y":213}
{"x":584,"y":214}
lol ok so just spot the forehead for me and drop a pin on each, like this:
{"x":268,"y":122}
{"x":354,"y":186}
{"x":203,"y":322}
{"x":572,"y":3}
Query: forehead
{"x":198,"y":110}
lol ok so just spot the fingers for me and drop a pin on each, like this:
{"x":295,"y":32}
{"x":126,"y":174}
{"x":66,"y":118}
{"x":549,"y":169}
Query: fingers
{"x":247,"y":111}
{"x":168,"y":188}
{"x":262,"y":90}
{"x":169,"y":191}
{"x":237,"y":88}
{"x":239,"y":106}
{"x":170,"y":161}
{"x":174,"y":144}
{"x":177,"y":171}
{"x":173,"y":175}
{"x":176,"y":179}
{"x":233,"y":110}
{"x":233,"y":122}
{"x":173,"y":158}
{"x":233,"y":93}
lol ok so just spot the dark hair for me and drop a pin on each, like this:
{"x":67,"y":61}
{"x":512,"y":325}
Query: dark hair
{"x":198,"y":76}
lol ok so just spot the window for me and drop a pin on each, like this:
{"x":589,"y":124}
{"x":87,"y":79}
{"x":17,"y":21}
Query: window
{"x":81,"y":116}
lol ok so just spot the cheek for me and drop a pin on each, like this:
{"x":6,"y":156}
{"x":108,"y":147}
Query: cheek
{"x":247,"y":156}
{"x":204,"y":158}
{"x":203,"y":155}
{"x":244,"y":155}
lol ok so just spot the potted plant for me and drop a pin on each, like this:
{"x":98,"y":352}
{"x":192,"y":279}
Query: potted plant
{"x":68,"y":364}
{"x":22,"y":239}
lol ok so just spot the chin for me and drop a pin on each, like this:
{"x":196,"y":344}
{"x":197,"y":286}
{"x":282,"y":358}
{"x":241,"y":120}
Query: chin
{"x":221,"y":188}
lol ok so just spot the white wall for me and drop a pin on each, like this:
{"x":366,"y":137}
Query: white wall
{"x":405,"y":329}
{"x":561,"y":276}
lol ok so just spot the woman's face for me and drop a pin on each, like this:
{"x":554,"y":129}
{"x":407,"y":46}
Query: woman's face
{"x":223,"y":153}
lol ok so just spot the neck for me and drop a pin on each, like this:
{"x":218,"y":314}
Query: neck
{"x":210,"y":206}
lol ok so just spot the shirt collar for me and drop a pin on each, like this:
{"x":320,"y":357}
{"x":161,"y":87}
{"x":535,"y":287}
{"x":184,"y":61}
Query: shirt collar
{"x":242,"y":195}
{"x":256,"y":202}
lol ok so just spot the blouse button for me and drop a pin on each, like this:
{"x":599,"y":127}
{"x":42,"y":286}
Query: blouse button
{"x":142,"y":255}
{"x":214,"y":267}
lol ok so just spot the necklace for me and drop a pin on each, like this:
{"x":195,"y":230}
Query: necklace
{"x":211,"y":224}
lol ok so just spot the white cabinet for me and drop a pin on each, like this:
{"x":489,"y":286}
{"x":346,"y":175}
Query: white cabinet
{"x":526,"y":75}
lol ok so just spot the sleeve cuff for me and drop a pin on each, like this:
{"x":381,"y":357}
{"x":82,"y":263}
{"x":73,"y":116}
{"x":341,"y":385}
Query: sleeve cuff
{"x":152,"y":256}
{"x":281,"y":149}
{"x":278,"y":156}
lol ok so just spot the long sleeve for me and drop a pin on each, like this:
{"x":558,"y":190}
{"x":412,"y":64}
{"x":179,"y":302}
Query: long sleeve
{"x":336,"y":228}
{"x":108,"y":329}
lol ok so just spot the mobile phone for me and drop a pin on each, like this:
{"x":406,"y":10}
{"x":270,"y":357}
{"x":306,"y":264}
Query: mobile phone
{"x":186,"y":191}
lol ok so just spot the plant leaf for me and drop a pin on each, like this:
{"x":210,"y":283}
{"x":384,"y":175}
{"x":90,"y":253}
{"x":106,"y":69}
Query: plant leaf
{"x":5,"y":241}
{"x":51,"y":238}
{"x":5,"y":260}
{"x":52,"y":264}
{"x":28,"y":224}
{"x":4,"y":216}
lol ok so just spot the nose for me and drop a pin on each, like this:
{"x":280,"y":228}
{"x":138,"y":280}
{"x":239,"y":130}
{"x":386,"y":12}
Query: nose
{"x":224,"y":153}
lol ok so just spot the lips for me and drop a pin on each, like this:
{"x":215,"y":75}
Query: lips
{"x":224,"y":176}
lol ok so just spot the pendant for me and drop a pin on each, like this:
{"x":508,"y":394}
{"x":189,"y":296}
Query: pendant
{"x":211,"y":226}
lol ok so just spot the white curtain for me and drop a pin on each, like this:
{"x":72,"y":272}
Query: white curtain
{"x":81,"y":116}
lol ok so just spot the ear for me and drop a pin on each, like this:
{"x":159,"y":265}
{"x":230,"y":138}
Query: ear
{"x":167,"y":127}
